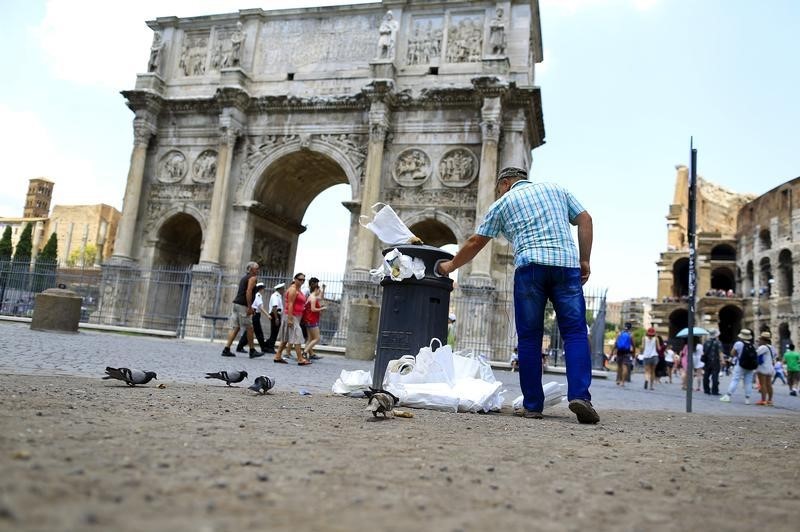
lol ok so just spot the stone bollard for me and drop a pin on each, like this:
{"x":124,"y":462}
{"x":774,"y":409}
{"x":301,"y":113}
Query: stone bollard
{"x":56,"y":309}
{"x":362,"y":330}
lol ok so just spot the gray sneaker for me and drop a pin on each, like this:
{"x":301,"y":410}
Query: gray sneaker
{"x":530,"y":414}
{"x":584,"y":411}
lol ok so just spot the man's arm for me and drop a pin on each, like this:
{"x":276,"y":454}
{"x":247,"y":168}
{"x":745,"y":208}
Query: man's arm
{"x":251,"y":284}
{"x":290,"y":297}
{"x":585,"y":237}
{"x":471,"y":247}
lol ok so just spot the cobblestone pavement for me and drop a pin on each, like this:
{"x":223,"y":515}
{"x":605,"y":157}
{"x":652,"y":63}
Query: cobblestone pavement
{"x":27,"y":352}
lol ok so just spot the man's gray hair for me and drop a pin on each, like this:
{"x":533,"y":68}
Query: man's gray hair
{"x":251,"y":265}
{"x":512,"y":172}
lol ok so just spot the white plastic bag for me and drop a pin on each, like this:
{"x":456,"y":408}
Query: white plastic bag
{"x":477,"y":395}
{"x":430,"y":367}
{"x":398,"y":267}
{"x":432,"y":396}
{"x":388,"y":227}
{"x":554,"y":393}
{"x":352,"y":381}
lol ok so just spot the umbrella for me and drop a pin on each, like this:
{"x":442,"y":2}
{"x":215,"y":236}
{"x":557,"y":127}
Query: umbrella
{"x":698,"y":331}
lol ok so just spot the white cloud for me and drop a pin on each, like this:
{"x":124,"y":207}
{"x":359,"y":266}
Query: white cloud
{"x":83,"y":44}
{"x":33,"y":152}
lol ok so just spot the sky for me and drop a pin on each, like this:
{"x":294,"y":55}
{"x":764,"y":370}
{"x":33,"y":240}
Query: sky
{"x":625,"y":84}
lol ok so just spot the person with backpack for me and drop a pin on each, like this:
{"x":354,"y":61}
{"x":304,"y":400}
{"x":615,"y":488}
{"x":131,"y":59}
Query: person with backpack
{"x":744,"y":352}
{"x":791,"y":360}
{"x":766,"y":368}
{"x":623,"y":352}
{"x":712,"y":353}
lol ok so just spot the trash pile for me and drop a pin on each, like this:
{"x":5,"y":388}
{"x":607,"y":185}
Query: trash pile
{"x":398,"y":267}
{"x":440,"y":380}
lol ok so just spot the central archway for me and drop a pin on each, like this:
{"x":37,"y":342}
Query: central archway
{"x":282,"y":196}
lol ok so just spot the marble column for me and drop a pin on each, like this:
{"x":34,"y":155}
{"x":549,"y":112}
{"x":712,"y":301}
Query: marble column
{"x":490,"y":131}
{"x":143,"y":131}
{"x":212,"y":246}
{"x":370,"y":191}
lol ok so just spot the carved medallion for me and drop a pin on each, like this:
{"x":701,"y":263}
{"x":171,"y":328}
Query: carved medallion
{"x":204,"y":169}
{"x":412,"y":167}
{"x":458,"y":167}
{"x":172,"y":167}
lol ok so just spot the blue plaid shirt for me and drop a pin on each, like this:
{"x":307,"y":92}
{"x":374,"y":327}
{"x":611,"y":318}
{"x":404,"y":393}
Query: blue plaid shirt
{"x":535,"y":218}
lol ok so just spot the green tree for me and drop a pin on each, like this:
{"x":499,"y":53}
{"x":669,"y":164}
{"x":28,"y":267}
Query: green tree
{"x":21,"y":263}
{"x":6,"y":248}
{"x":83,"y":258}
{"x":25,"y":244}
{"x":46,"y":265}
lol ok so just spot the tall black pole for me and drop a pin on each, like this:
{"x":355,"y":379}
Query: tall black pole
{"x":692,"y":274}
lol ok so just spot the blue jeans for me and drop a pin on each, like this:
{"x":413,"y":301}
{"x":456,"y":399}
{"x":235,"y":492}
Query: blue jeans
{"x":534,"y":284}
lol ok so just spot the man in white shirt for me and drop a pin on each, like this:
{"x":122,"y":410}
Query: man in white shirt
{"x":275,"y":313}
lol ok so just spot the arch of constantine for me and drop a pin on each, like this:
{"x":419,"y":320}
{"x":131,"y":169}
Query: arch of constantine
{"x":242,"y":119}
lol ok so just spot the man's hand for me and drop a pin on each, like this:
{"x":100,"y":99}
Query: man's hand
{"x":586,"y":271}
{"x":445,"y":268}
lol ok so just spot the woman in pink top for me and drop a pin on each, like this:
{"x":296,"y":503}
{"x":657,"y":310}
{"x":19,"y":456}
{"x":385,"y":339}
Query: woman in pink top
{"x":311,"y":317}
{"x":290,"y":332}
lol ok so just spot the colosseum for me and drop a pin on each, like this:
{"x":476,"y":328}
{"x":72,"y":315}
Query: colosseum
{"x":720,"y":302}
{"x":768,"y":244}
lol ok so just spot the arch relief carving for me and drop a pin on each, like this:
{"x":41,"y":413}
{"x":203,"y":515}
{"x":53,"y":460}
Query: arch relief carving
{"x":172,"y":167}
{"x":348,"y":150}
{"x":458,"y":167}
{"x":164,"y":201}
{"x":411,"y":168}
{"x":204,"y":169}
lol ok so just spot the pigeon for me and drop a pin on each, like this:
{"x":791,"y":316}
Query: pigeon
{"x":380,"y":402}
{"x":228,"y":377}
{"x":262,"y":384}
{"x":131,"y":377}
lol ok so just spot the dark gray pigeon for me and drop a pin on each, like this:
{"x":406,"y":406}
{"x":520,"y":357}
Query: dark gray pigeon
{"x":228,"y":376}
{"x":131,"y":377}
{"x":380,"y":402}
{"x":262,"y":384}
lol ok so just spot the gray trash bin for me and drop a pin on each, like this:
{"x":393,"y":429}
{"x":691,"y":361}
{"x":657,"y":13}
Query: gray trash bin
{"x":412,"y":310}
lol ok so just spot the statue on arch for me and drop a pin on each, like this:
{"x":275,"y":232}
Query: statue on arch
{"x":237,"y":41}
{"x":497,"y":34}
{"x":156,"y":50}
{"x":387,"y":32}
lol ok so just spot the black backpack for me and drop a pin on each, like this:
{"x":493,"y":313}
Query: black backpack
{"x":748,"y":359}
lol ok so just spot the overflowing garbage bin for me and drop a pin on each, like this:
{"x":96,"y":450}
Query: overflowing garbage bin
{"x":412,"y":310}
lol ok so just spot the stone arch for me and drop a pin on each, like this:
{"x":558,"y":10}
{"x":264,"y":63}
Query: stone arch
{"x":785,"y":273}
{"x":764,"y":277}
{"x":179,"y":238}
{"x":252,"y":180}
{"x":749,"y":279}
{"x":177,"y":248}
{"x":722,"y":278}
{"x":765,"y":239}
{"x":730,"y":323}
{"x":435,"y":228}
{"x":289,"y":179}
{"x":723,"y":252}
{"x":678,"y":319}
{"x":680,"y":277}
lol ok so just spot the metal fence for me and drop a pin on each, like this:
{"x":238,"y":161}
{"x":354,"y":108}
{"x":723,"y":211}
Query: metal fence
{"x":159,"y":298}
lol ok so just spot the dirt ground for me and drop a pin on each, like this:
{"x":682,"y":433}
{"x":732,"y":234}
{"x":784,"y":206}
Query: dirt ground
{"x":86,"y":454}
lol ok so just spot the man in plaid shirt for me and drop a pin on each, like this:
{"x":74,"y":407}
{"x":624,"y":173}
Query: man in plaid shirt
{"x":535,"y":218}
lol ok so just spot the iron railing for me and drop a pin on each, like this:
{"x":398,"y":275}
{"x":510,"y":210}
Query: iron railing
{"x":161,"y":298}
